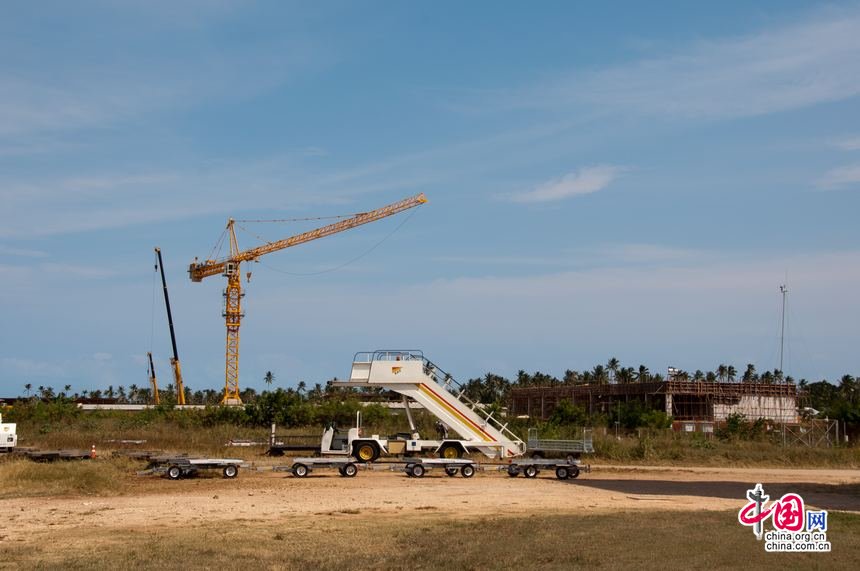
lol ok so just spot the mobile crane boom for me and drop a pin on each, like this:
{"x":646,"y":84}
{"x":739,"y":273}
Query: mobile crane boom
{"x":230,"y":268}
{"x":174,"y":361}
{"x":153,"y":382}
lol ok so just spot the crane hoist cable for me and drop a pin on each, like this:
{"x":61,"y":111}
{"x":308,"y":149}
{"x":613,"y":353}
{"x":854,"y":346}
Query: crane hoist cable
{"x":230,"y":267}
{"x":348,"y":262}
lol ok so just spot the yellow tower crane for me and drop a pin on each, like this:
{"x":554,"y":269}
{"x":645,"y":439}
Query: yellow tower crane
{"x":229,"y":267}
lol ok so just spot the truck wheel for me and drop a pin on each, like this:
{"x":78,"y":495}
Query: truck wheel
{"x":513,"y":471}
{"x":562,"y":473}
{"x":174,"y":472}
{"x":451,"y":472}
{"x":350,"y":470}
{"x":530,"y":472}
{"x":231,"y":471}
{"x":300,"y":470}
{"x":408,"y":470}
{"x":468,"y":471}
{"x":365,"y":451}
{"x":450,"y":451}
{"x":418,"y":471}
{"x":574,"y":472}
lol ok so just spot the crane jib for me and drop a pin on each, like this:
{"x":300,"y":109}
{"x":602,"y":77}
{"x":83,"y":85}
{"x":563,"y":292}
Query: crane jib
{"x":198,"y":271}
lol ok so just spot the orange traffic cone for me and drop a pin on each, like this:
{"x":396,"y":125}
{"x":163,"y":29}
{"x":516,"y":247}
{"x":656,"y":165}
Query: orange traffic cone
{"x":93,"y":451}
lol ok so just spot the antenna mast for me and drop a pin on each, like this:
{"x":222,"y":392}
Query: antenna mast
{"x":784,"y":289}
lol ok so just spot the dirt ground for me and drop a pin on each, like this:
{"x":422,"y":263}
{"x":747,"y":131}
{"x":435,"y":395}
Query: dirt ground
{"x":155,"y":503}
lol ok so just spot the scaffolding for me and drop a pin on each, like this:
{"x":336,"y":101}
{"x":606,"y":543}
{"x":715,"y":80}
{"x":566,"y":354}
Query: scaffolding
{"x":682,"y":400}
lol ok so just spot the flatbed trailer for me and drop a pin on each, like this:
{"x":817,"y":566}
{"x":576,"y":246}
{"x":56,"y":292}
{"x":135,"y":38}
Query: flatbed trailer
{"x":176,"y":467}
{"x":531,"y":467}
{"x":346,"y":467}
{"x":417,"y":467}
{"x":54,"y":455}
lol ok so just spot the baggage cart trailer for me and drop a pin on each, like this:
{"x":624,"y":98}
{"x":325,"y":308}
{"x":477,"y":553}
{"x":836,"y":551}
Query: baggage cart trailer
{"x":531,"y":467}
{"x":183,"y":467}
{"x":346,"y":467}
{"x":417,"y":467}
{"x":571,"y":450}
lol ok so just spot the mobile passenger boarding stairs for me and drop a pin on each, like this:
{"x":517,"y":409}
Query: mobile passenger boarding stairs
{"x":410,"y":374}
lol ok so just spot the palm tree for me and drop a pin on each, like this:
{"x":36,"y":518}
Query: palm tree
{"x":625,"y":375}
{"x":749,"y":374}
{"x":699,"y":375}
{"x":600,"y":375}
{"x":848,"y":389}
{"x":643,"y":374}
{"x":612,"y":365}
{"x":269,"y":378}
{"x":731,"y":373}
{"x":711,"y":377}
{"x":722,"y":372}
{"x":301,"y":387}
{"x":28,"y":387}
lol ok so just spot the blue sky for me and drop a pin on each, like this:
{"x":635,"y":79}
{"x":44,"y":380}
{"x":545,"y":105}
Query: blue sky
{"x":631,"y":180}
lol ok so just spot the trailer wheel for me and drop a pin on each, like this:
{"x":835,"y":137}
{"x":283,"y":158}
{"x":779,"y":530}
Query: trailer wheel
{"x":562,"y":473}
{"x":451,"y":472}
{"x":574,"y":472}
{"x":418,"y":471}
{"x":300,"y":470}
{"x":408,"y":470}
{"x":513,"y":471}
{"x":231,"y":471}
{"x":174,"y":472}
{"x":350,"y":470}
{"x":366,"y":451}
{"x":530,"y":472}
{"x":467,"y":471}
{"x":450,"y":451}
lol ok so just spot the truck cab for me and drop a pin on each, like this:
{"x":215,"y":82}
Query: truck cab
{"x":8,"y":436}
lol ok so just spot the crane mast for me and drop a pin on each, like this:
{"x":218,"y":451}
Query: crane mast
{"x":174,"y":361}
{"x":230,"y":268}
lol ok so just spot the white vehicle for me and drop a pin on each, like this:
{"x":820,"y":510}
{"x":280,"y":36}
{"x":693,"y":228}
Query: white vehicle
{"x":367,"y":448}
{"x":8,"y":437}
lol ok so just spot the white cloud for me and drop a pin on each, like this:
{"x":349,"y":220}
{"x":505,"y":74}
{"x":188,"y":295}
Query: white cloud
{"x":22,"y":252}
{"x":787,"y":67}
{"x":847,"y":144}
{"x":583,"y":181}
{"x":840,"y":177}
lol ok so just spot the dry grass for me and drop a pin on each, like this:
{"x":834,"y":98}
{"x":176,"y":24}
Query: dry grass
{"x":24,"y":478}
{"x":656,"y":540}
{"x":180,"y":434}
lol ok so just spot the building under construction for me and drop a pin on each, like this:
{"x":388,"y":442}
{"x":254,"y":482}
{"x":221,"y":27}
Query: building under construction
{"x":682,"y":400}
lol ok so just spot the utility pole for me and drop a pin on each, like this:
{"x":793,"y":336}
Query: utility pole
{"x":784,"y":289}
